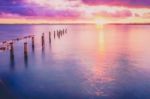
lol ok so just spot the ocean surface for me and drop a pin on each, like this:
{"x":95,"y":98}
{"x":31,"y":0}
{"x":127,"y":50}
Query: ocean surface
{"x":87,"y":62}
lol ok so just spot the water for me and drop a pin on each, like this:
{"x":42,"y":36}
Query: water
{"x":88,"y":62}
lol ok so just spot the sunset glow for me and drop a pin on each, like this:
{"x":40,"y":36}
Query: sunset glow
{"x":74,"y":11}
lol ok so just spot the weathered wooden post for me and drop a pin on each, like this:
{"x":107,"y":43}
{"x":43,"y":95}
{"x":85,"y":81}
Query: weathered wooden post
{"x":50,"y":37}
{"x":63,"y":31}
{"x":25,"y":48}
{"x":33,"y":43}
{"x":11,"y":50}
{"x":11,"y":47}
{"x":43,"y":42}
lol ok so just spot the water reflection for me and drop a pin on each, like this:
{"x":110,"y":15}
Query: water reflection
{"x":26,"y":54}
{"x":26,"y":60}
{"x":102,"y":41}
{"x":12,"y":59}
{"x":54,"y":34}
{"x":90,"y":62}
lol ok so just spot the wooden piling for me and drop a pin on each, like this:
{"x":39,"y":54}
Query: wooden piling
{"x":50,"y":37}
{"x":11,"y":47}
{"x":11,"y":51}
{"x":43,"y":40}
{"x":33,"y":43}
{"x":61,"y":32}
{"x":25,"y":48}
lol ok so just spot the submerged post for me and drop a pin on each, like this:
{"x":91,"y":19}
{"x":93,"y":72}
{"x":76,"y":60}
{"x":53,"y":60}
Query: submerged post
{"x":49,"y":34}
{"x":25,"y":49}
{"x":63,"y":31}
{"x":43,"y":40}
{"x":50,"y":37}
{"x":11,"y":47}
{"x":33,"y":43}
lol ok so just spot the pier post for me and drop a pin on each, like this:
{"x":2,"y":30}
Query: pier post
{"x":43,"y":42}
{"x":59,"y":32}
{"x":25,"y":48}
{"x":33,"y":43}
{"x":11,"y":47}
{"x":50,"y":37}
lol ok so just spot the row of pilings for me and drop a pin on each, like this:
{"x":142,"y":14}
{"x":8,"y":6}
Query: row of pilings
{"x":9,"y":45}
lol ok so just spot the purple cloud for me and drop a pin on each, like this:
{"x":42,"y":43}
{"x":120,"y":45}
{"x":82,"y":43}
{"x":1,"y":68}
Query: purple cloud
{"x":15,"y":7}
{"x":71,"y":9}
{"x":19,"y":7}
{"x":129,"y":3}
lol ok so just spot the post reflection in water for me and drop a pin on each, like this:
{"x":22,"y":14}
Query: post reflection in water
{"x":26,"y":54}
{"x":26,"y":60}
{"x":12,"y":59}
{"x":58,"y":34}
{"x":101,"y":41}
{"x":54,"y":34}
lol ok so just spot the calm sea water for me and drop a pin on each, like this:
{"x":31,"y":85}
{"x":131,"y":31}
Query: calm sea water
{"x":89,"y":62}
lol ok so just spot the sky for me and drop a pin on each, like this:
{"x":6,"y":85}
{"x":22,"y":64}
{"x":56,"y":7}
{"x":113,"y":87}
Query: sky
{"x":74,"y":11}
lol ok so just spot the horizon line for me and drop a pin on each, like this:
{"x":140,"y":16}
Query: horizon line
{"x":83,"y":23}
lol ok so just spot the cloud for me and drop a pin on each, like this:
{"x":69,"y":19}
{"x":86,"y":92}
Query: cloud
{"x":15,"y":7}
{"x":129,"y":3}
{"x":74,"y":9}
{"x":39,"y":8}
{"x":115,"y":14}
{"x":146,"y":15}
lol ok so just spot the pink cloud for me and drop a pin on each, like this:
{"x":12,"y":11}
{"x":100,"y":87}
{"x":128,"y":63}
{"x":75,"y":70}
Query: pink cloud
{"x":125,"y":3}
{"x":115,"y":14}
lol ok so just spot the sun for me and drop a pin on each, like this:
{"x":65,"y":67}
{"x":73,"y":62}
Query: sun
{"x":100,"y":21}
